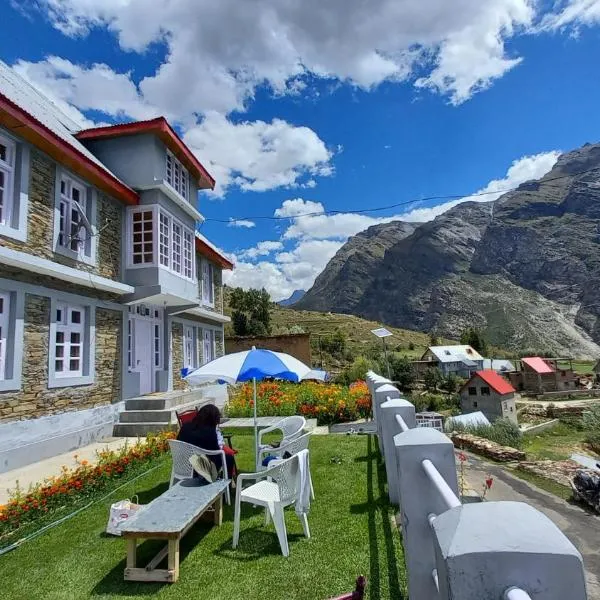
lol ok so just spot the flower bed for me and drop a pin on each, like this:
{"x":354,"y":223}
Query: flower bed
{"x":328,"y":403}
{"x":79,"y":483}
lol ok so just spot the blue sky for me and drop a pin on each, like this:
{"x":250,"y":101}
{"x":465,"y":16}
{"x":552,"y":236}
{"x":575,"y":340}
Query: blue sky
{"x":296,"y":107}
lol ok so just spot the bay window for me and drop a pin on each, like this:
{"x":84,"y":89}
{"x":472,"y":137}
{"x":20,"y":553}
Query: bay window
{"x":176,"y":175}
{"x":158,"y":238}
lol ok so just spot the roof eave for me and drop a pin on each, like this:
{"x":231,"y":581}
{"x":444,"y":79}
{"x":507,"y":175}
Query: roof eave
{"x":22,"y":124}
{"x":210,"y":253}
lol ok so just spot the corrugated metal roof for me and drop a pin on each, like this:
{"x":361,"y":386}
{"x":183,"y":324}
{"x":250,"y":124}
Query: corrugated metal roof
{"x":498,"y":364}
{"x":539,"y":365}
{"x":42,"y":109}
{"x":474,"y":418}
{"x":455,"y":353}
{"x":495,"y":381}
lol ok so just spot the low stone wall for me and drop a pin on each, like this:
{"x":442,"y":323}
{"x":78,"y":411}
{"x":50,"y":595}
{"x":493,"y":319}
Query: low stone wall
{"x":561,"y":471}
{"x":487,"y":448}
{"x":540,"y":427}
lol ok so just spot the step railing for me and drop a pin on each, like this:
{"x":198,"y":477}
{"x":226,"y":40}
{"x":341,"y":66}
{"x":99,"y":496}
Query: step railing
{"x":493,"y":550}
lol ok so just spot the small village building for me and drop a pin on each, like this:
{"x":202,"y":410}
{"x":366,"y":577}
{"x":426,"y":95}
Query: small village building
{"x":459,"y":360}
{"x":540,"y":376}
{"x":499,"y":365}
{"x":491,"y":394}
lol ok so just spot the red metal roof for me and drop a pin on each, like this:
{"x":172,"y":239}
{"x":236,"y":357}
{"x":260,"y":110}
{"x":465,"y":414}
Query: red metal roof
{"x":204,"y":247}
{"x":495,"y":381}
{"x":166,"y":133}
{"x":13,"y":117}
{"x":539,"y":365}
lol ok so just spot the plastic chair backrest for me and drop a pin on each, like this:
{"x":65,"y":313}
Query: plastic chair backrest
{"x":186,"y":416}
{"x":296,"y":445}
{"x":291,"y":427}
{"x":285,"y":474}
{"x":180,"y":453}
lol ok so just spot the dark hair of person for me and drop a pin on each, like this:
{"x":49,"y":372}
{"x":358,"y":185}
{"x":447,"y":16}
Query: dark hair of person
{"x":208,"y":416}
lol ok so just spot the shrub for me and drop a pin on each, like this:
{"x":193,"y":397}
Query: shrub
{"x":432,"y":378}
{"x":328,"y":403}
{"x":357,"y":371}
{"x":501,"y":431}
{"x":402,"y":371}
{"x":411,"y":346}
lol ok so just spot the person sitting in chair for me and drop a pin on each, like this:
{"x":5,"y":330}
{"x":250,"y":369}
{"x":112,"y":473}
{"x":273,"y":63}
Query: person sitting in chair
{"x":203,"y":431}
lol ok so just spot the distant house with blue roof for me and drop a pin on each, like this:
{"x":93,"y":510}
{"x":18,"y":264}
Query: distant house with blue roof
{"x":458,"y":359}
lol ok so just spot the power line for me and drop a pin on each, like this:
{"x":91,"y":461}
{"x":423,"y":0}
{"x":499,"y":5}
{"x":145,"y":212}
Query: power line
{"x":398,"y":204}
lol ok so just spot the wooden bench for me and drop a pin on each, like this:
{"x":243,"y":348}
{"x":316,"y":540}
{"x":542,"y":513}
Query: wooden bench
{"x":170,"y":517}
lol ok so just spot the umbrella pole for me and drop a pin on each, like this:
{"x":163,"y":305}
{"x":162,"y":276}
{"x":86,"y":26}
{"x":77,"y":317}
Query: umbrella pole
{"x":255,"y":426}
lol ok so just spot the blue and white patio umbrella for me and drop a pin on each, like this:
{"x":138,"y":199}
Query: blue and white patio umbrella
{"x":251,"y":365}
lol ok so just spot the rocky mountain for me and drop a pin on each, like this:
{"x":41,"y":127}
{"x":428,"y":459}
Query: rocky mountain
{"x":525,"y":268}
{"x":296,"y":296}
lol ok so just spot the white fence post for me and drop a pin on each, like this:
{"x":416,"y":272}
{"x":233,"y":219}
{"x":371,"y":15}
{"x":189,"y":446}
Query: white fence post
{"x":389,"y":428}
{"x":383,"y":392}
{"x":484,"y":550}
{"x":419,"y":499}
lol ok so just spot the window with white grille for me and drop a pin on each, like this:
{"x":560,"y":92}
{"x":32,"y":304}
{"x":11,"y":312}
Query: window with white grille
{"x":176,"y":255}
{"x":4,"y":324}
{"x":142,"y":236}
{"x":164,"y":240}
{"x":69,"y":340}
{"x":7,"y":177}
{"x":208,"y":290}
{"x":209,"y":345}
{"x":74,"y":227}
{"x":177,"y":175}
{"x":189,"y":354}
{"x":188,"y":254}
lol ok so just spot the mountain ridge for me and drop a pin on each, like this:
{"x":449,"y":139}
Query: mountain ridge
{"x":523,"y":268}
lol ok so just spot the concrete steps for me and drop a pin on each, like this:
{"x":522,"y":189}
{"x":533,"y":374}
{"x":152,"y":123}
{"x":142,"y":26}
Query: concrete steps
{"x":157,"y":412}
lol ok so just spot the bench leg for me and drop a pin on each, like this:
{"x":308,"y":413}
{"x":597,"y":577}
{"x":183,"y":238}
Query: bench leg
{"x":218,"y":506}
{"x":131,"y":552}
{"x":173,"y":560}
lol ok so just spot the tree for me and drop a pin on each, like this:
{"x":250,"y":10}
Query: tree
{"x":251,"y":311}
{"x":433,"y":338}
{"x":402,"y":371}
{"x":474,"y":337}
{"x":432,"y":379}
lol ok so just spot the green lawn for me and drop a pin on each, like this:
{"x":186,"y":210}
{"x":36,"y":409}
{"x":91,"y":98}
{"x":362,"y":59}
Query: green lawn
{"x":557,"y":443}
{"x":350,"y":521}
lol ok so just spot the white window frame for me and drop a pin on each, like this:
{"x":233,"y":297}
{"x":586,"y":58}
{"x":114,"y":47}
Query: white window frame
{"x":212,"y":341}
{"x":155,"y":315}
{"x":11,"y":336}
{"x":7,"y":168}
{"x":176,"y":176}
{"x":208,"y":283}
{"x":85,"y":209}
{"x":61,"y":322}
{"x":13,"y":222}
{"x":132,"y":237}
{"x":190,"y":350}
{"x":170,"y":240}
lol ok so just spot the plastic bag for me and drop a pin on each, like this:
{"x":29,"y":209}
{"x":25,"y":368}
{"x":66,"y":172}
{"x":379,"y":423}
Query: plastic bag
{"x":120,"y":512}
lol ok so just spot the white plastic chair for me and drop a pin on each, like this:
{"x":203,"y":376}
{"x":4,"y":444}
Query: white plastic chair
{"x":182,"y":469}
{"x":276,"y":487}
{"x":292,"y":447}
{"x":290,"y":427}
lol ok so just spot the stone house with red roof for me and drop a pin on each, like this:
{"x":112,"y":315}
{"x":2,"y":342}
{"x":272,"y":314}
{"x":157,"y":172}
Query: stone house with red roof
{"x":541,"y":375}
{"x":490,"y":393}
{"x":108,"y":292}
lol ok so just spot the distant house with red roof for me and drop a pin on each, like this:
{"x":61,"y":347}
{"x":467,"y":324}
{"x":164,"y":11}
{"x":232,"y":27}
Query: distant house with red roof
{"x":541,"y":375}
{"x":490,"y":393}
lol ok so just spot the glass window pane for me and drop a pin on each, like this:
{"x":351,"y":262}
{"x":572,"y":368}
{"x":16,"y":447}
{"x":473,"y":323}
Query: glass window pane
{"x":75,"y":316}
{"x":60,"y":351}
{"x":60,"y":337}
{"x":75,"y":350}
{"x":58,"y":366}
{"x":75,"y":337}
{"x":74,"y":365}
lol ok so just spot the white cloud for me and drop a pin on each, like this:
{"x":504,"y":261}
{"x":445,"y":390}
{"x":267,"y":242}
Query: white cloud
{"x":256,"y":155}
{"x":319,"y":237}
{"x":521,"y":170}
{"x":261,"y":249}
{"x":572,"y":12}
{"x":244,"y":223}
{"x":219,"y":52}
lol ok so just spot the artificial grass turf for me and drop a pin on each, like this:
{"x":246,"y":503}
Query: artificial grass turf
{"x":350,"y":522}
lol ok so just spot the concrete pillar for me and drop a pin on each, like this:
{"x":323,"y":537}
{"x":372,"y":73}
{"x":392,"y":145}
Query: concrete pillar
{"x":418,"y":499}
{"x":382,"y":393}
{"x":484,"y":549}
{"x":389,"y":428}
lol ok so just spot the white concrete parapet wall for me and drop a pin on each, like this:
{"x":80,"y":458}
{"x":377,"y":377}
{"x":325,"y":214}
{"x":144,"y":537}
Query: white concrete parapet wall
{"x":490,"y":550}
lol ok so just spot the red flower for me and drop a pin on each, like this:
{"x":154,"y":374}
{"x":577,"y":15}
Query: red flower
{"x":462,"y":456}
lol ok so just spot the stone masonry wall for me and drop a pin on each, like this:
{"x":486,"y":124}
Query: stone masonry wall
{"x":35,"y":398}
{"x":177,"y":356}
{"x":40,"y":224}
